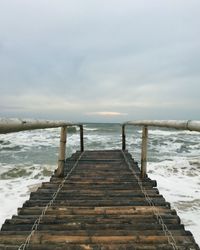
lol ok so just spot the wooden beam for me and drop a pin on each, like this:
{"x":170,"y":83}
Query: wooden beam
{"x":16,"y":125}
{"x":62,"y":150}
{"x":176,"y":124}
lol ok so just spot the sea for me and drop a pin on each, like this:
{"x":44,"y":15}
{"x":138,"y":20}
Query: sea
{"x":29,"y":158}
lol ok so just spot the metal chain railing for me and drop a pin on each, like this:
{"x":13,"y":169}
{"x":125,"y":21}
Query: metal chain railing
{"x":159,"y":218}
{"x":50,"y":203}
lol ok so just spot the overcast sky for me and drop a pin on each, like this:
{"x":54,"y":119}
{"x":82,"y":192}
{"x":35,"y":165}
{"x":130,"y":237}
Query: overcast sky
{"x":100,"y":60}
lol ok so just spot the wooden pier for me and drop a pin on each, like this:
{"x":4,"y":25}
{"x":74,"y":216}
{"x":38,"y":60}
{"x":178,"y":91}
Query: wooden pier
{"x":101,"y":203}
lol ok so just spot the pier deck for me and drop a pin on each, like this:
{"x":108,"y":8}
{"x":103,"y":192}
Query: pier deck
{"x":102,"y":204}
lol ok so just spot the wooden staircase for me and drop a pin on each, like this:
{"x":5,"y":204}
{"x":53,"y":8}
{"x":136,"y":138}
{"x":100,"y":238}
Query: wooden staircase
{"x":100,"y":206}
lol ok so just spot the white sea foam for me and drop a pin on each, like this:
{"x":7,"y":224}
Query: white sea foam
{"x":15,"y":190}
{"x":169,"y":132}
{"x":178,"y":181}
{"x":46,"y":137}
{"x":90,"y":129}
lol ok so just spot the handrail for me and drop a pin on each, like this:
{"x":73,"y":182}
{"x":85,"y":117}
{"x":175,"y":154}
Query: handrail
{"x":17,"y":125}
{"x":175,"y":124}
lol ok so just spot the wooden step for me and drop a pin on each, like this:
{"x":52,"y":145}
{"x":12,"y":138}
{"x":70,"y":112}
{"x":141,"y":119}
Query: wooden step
{"x":15,"y":237}
{"x":133,"y":210}
{"x":109,"y":246}
{"x":100,"y":207}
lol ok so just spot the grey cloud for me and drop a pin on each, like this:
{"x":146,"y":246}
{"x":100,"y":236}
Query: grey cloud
{"x":134,"y":57}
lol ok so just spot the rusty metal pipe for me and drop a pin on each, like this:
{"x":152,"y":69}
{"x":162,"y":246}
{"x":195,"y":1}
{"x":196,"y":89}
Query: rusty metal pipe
{"x":81,"y":139}
{"x":123,"y":138}
{"x":144,"y":152}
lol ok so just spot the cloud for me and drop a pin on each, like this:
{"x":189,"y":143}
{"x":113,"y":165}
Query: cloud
{"x":106,"y":113}
{"x":38,"y":103}
{"x":71,"y":58}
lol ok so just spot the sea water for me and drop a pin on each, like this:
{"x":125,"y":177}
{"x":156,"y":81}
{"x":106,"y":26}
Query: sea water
{"x":28,"y":158}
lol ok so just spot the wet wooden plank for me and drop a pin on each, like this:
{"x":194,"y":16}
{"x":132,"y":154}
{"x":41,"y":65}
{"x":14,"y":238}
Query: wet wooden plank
{"x":100,"y":206}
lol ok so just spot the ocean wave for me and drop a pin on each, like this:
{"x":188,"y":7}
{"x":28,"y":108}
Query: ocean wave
{"x":34,"y":171}
{"x":11,"y":148}
{"x":177,"y":166}
{"x":14,"y":173}
{"x":173,"y":132}
{"x":190,"y":205}
{"x":3,"y":142}
{"x":91,"y":129}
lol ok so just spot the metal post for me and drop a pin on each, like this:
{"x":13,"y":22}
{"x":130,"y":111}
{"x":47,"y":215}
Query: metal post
{"x":81,"y":139}
{"x":62,"y":150}
{"x":123,"y":137}
{"x":144,"y":152}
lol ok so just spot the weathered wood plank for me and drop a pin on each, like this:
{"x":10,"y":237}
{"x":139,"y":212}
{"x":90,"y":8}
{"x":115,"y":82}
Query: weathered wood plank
{"x":134,"y":210}
{"x":109,"y":246}
{"x":44,"y":238}
{"x":101,"y":206}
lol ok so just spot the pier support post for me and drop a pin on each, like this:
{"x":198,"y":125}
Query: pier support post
{"x":62,"y":151}
{"x":123,"y":138}
{"x":144,"y":152}
{"x":81,"y":139}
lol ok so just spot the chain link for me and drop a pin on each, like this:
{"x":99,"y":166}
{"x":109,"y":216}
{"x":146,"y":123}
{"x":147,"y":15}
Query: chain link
{"x":159,"y":218}
{"x":49,"y":204}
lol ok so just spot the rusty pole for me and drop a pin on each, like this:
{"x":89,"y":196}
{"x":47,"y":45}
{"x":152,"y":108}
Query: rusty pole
{"x":123,"y":138}
{"x":81,"y":139}
{"x":144,"y":152}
